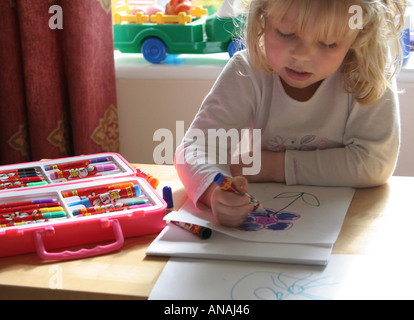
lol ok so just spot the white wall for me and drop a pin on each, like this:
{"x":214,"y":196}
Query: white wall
{"x":405,"y":165}
{"x":151,"y":97}
{"x":145,"y":106}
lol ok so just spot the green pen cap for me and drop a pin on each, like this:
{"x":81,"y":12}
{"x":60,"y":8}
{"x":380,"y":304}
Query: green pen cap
{"x":56,"y":214}
{"x":39,"y":183}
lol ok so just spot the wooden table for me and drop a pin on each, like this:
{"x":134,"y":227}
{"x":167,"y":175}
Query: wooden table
{"x":379,"y":222}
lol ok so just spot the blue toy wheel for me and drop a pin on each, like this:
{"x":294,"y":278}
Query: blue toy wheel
{"x":154,"y":50}
{"x":234,"y":46}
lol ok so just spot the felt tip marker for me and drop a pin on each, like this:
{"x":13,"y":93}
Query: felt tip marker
{"x":30,"y":207}
{"x":93,"y":191}
{"x":168,"y":198}
{"x":16,"y":224}
{"x":75,"y":164}
{"x":226,"y":184}
{"x":20,"y":185}
{"x":37,"y":216}
{"x":109,"y":197}
{"x":23,"y":171}
{"x":106,"y":208}
{"x":150,"y":179}
{"x":25,"y":203}
{"x":203,"y":232}
{"x":24,"y":213}
{"x":115,"y":210}
{"x":83,"y":172}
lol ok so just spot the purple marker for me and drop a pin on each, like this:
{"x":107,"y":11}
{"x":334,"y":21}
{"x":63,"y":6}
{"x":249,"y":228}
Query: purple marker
{"x":75,"y":164}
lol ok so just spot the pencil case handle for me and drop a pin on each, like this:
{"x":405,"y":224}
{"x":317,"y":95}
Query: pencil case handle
{"x":82,"y":253}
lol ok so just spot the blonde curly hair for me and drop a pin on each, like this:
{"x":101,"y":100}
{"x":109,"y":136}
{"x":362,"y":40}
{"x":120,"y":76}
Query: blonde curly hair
{"x":367,"y":67}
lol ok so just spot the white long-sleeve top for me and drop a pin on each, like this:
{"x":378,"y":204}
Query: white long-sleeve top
{"x":330,"y":140}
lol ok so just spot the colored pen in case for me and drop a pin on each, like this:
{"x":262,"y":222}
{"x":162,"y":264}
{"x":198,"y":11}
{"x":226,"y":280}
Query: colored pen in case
{"x":15,"y":213}
{"x":111,"y":206}
{"x":38,"y":216}
{"x":30,"y":207}
{"x":14,"y":224}
{"x":20,"y":185}
{"x":93,"y":191}
{"x":83,"y":172}
{"x":115,"y":210}
{"x":225,"y":183}
{"x":75,"y":164}
{"x":25,"y":203}
{"x":23,"y":171}
{"x":23,"y":179}
{"x":109,"y":197}
{"x":202,"y":232}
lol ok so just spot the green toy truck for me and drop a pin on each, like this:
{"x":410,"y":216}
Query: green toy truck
{"x":186,"y":34}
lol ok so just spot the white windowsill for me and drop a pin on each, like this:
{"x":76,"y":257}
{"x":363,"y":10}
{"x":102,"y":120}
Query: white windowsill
{"x":193,"y":66}
{"x":183,"y":66}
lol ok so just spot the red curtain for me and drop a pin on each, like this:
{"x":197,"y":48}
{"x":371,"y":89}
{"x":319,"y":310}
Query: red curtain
{"x":57,"y":82}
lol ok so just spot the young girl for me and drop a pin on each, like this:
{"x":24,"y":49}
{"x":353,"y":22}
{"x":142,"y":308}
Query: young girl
{"x":317,"y":83}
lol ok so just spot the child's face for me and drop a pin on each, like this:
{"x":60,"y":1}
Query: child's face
{"x":302,"y":61}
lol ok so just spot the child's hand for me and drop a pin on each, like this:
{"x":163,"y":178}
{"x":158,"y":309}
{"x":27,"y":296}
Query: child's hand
{"x":272,"y":168}
{"x":231,"y":209}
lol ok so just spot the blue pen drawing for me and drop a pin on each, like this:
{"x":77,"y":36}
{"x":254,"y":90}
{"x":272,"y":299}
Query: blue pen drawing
{"x":278,"y":220}
{"x":269,"y":285}
{"x":274,"y":221}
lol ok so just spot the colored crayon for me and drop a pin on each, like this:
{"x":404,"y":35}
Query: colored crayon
{"x":83,"y":172}
{"x":93,"y":191}
{"x":226,"y":184}
{"x":202,"y":232}
{"x":75,"y":164}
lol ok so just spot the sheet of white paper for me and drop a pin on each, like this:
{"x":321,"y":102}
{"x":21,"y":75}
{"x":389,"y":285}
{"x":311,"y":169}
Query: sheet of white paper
{"x":345,"y":277}
{"x":176,"y":242}
{"x":303,"y":214}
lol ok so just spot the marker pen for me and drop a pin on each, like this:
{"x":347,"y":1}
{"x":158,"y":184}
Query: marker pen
{"x":107,"y":207}
{"x":109,"y":197}
{"x":168,"y":198}
{"x":30,"y":207}
{"x":75,"y":164}
{"x":22,"y":179}
{"x":93,"y":191}
{"x":151,"y":180}
{"x":14,"y":224}
{"x":24,"y":213}
{"x":226,"y":184}
{"x":19,"y":171}
{"x":19,"y":185}
{"x":83,"y":172}
{"x":115,"y":210}
{"x":203,"y":232}
{"x":37,"y":216}
{"x":25,"y":203}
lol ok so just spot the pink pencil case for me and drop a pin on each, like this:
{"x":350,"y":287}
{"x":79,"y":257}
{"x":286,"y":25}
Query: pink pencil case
{"x":50,"y":206}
